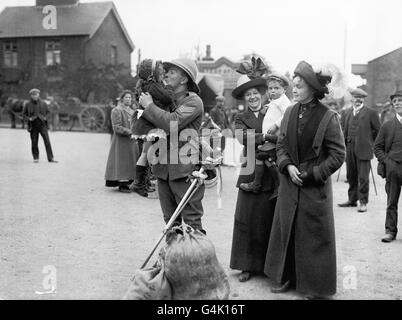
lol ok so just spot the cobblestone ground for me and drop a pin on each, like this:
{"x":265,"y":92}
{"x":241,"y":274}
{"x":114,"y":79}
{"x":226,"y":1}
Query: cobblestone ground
{"x":59,"y":219}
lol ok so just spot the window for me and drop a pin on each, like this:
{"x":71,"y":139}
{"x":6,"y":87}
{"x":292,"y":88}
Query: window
{"x":10,"y":54}
{"x":113,"y":55}
{"x":52,"y":53}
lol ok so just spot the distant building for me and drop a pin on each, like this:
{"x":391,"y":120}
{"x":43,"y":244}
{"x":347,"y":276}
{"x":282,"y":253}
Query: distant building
{"x":226,"y":68}
{"x":383,"y":76}
{"x":84,"y":32}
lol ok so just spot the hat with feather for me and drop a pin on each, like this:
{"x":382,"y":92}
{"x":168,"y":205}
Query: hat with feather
{"x":252,"y":77}
{"x":326,"y":79}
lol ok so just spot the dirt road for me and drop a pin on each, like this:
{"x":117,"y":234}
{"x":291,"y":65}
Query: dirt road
{"x":60,"y":225}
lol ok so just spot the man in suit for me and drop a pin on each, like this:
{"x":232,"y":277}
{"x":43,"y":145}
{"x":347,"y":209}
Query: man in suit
{"x":388,"y":150}
{"x":360,"y":127}
{"x":172,"y":173}
{"x":219,"y":116}
{"x":36,"y":112}
{"x":218,"y":113}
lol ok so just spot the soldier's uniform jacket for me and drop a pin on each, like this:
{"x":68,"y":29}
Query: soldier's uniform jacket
{"x":188,"y":115}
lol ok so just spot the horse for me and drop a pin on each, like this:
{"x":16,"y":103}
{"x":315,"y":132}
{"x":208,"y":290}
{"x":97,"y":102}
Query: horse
{"x":14,"y":108}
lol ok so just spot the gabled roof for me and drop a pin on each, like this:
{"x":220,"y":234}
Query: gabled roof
{"x":216,"y":63}
{"x":72,"y":20}
{"x":389,"y":53}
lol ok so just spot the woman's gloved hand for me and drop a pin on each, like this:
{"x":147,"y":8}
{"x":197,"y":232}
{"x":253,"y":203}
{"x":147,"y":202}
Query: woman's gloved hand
{"x":307,"y":177}
{"x":271,"y":138}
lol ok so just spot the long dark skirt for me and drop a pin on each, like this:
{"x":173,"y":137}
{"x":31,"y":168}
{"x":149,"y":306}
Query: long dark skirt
{"x":252,"y":228}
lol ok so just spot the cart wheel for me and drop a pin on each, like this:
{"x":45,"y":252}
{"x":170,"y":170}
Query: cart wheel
{"x":92,"y":119}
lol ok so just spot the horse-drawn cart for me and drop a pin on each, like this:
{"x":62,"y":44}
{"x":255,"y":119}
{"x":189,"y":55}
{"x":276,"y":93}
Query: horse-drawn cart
{"x":64,"y":115}
{"x":89,"y":117}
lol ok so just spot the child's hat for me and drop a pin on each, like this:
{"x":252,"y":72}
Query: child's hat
{"x":279,"y":77}
{"x":148,"y":69}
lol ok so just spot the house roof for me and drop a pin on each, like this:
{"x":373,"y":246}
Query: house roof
{"x":72,"y":20}
{"x":216,"y":63}
{"x":388,"y":53}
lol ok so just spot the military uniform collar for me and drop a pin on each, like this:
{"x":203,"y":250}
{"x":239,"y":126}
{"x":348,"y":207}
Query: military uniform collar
{"x":178,"y":97}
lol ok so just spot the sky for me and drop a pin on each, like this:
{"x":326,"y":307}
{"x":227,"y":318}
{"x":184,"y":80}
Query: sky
{"x":283,"y":31}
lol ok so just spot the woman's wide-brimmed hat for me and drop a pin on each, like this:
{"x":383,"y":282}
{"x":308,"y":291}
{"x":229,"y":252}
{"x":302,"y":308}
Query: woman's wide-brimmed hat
{"x":190,"y":68}
{"x":316,"y":81}
{"x":252,"y":77}
{"x":245,"y":83}
{"x":327,"y":79}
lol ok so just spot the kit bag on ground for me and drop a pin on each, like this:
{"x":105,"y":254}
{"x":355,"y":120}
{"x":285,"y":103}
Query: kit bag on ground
{"x":192,"y":268}
{"x":150,"y":284}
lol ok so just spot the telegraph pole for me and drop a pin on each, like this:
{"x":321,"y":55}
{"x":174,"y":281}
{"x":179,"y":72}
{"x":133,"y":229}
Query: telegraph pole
{"x":345,"y":39}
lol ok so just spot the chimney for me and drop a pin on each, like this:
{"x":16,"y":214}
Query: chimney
{"x":208,"y":54}
{"x":42,"y":3}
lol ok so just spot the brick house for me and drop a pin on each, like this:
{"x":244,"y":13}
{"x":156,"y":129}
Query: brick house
{"x":84,"y":32}
{"x":383,"y":76}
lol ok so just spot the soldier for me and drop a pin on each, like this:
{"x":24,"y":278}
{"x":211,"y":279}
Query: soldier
{"x":388,"y":150}
{"x":36,"y":112}
{"x":360,"y":126}
{"x":172,"y":176}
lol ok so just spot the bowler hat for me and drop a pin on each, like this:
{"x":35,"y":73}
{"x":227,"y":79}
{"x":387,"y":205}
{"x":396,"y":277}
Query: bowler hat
{"x":279,"y":77}
{"x":398,"y":93}
{"x":244,"y":83}
{"x":315,"y":80}
{"x":358,"y":92}
{"x":34,"y":90}
{"x":190,"y":69}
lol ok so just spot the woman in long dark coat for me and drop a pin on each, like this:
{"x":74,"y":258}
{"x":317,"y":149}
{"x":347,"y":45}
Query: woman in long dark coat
{"x":254,"y":211}
{"x":123,"y":153}
{"x":310,"y":148}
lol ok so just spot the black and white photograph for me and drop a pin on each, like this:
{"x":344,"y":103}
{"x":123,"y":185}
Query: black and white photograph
{"x":210,"y":151}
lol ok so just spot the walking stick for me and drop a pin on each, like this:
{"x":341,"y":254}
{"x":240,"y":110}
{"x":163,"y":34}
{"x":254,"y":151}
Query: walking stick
{"x":372,"y":175}
{"x":186,"y":198}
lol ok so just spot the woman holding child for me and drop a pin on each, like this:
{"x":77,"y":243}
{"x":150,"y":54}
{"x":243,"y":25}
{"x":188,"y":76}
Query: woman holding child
{"x":254,"y":209}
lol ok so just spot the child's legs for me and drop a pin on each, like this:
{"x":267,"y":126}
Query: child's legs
{"x":142,"y":160}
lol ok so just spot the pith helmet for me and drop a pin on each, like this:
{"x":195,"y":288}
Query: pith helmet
{"x":189,"y":67}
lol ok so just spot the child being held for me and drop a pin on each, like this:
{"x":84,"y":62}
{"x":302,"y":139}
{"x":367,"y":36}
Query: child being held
{"x":151,"y":74}
{"x":266,"y":153}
